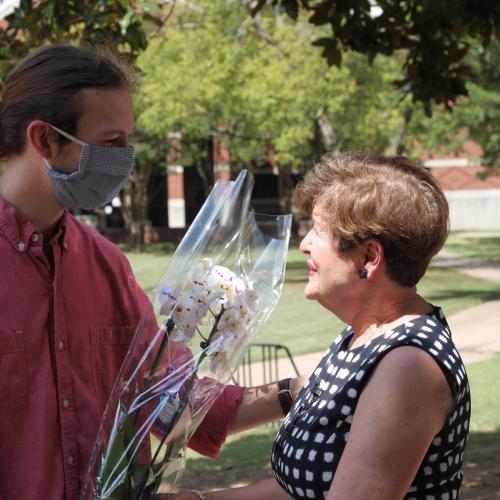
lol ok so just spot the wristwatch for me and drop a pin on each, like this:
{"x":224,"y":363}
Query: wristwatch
{"x":285,"y":395}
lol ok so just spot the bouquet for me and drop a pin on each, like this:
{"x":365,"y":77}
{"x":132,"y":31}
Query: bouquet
{"x":221,"y":285}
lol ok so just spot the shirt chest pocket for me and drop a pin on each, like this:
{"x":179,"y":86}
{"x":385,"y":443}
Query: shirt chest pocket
{"x":109,"y":346}
{"x":13,"y":382}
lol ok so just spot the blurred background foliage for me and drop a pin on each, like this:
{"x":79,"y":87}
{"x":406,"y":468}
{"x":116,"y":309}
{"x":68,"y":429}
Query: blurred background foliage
{"x":287,"y":80}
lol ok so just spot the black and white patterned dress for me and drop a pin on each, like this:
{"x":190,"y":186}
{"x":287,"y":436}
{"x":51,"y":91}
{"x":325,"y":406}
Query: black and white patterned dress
{"x":309,"y":444}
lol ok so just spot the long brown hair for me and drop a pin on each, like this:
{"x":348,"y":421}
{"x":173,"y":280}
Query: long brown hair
{"x":46,"y":86}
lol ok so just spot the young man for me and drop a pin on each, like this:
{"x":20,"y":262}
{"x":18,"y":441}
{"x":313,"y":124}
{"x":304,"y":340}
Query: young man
{"x":69,"y":303}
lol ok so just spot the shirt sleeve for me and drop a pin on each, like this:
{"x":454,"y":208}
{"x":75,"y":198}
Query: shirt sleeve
{"x":212,"y":432}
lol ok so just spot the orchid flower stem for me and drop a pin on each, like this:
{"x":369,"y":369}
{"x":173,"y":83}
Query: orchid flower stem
{"x":164,"y":341}
{"x":201,"y":335}
{"x":170,"y":325}
{"x":187,"y":388}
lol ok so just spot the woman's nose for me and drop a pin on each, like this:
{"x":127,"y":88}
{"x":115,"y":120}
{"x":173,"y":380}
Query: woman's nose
{"x":305,"y":243}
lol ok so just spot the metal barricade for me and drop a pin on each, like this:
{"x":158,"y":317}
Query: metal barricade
{"x":264,"y":358}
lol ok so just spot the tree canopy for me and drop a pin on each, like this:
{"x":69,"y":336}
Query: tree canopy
{"x":476,"y":117}
{"x":259,"y":84}
{"x":117,"y":23}
{"x":435,"y":35}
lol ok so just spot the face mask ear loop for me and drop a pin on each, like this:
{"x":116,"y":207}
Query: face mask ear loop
{"x":68,"y":136}
{"x":47,"y":164}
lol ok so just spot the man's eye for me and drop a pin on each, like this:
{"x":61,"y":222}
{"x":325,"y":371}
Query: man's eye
{"x":113,"y":142}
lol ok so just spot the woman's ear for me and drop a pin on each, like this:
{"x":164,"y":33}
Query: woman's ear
{"x":40,"y":137}
{"x":373,"y":255}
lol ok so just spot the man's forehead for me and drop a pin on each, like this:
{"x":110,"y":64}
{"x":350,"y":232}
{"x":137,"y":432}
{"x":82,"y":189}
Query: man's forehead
{"x":108,"y":110}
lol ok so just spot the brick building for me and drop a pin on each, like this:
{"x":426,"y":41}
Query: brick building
{"x":474,"y":202}
{"x":177,"y":193}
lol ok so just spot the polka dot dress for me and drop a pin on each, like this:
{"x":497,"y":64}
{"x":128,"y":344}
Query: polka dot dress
{"x":309,"y":444}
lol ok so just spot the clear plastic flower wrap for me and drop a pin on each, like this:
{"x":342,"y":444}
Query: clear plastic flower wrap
{"x":220,"y":287}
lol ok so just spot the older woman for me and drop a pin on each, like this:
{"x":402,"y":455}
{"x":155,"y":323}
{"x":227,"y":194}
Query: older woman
{"x":385,"y":415}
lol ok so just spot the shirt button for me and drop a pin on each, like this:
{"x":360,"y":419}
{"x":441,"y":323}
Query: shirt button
{"x":61,"y":345}
{"x":70,"y":460}
{"x":21,"y":245}
{"x":66,"y":403}
{"x":34,"y":237}
{"x":65,"y":246}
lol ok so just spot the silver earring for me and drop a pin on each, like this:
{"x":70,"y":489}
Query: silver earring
{"x":363,"y":274}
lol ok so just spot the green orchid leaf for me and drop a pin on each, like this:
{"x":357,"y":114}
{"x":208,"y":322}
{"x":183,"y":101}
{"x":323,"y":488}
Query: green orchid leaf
{"x":115,"y":461}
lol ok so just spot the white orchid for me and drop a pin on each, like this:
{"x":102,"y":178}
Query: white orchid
{"x":185,"y":316}
{"x":219,"y":291}
{"x":233,"y":325}
{"x":214,"y":308}
{"x":219,"y":361}
{"x":167,"y":296}
{"x":221,"y":341}
{"x":251,"y":298}
{"x":221,"y":283}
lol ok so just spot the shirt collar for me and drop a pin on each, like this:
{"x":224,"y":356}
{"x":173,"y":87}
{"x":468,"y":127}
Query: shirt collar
{"x":21,"y":232}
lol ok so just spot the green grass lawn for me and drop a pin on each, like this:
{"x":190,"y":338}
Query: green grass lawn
{"x":246,"y":457}
{"x":304,"y":326}
{"x":484,"y":245}
{"x":483,"y":379}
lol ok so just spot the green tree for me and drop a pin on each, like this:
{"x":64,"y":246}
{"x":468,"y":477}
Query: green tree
{"x":476,"y":117}
{"x":35,"y":23}
{"x":435,"y":35}
{"x":258,"y":84}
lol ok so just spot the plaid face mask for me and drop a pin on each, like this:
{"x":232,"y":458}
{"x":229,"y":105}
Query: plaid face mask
{"x":102,"y":172}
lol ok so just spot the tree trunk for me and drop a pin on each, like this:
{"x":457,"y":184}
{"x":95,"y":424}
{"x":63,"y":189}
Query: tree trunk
{"x":285,"y":190}
{"x":136,"y":204}
{"x":395,"y":145}
{"x":202,"y":172}
{"x":328,"y":136}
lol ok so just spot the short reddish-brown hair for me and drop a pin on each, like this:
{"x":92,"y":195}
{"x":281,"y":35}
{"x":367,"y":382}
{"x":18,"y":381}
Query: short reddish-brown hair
{"x":387,"y":198}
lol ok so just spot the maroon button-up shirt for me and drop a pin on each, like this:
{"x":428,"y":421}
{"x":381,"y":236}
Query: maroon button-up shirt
{"x":63,"y":336}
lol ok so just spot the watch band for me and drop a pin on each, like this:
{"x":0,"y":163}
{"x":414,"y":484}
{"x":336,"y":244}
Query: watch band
{"x":285,"y":395}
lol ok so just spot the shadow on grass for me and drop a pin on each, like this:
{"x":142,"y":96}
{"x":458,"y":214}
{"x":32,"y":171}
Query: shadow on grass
{"x":242,"y":461}
{"x":480,"y":295}
{"x":247,"y":460}
{"x":484,"y":248}
{"x":480,"y":439}
{"x":481,"y":467}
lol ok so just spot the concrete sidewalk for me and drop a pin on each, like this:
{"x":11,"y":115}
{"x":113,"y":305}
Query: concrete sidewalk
{"x":475,"y":331}
{"x":489,"y":271}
